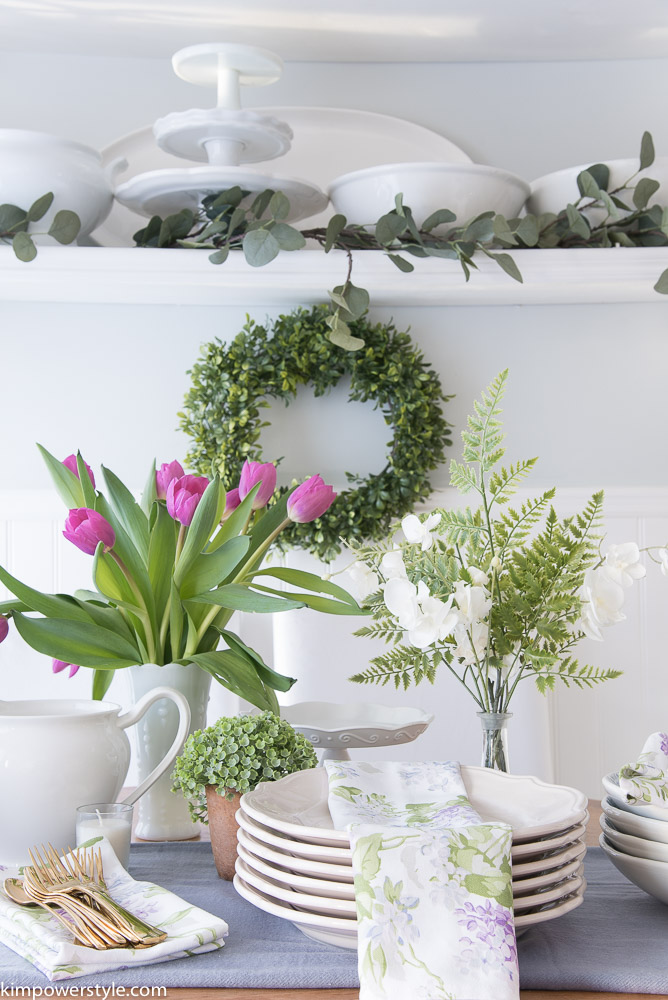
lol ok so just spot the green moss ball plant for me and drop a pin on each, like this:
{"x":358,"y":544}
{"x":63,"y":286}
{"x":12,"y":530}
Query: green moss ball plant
{"x":236,"y":754}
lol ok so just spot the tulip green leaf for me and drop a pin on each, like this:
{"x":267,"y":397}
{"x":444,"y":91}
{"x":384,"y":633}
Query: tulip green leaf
{"x":238,"y":598}
{"x":299,"y":578}
{"x":65,"y":226}
{"x":24,"y":247}
{"x":235,"y":522}
{"x":52,"y":605}
{"x":110,"y":580}
{"x":66,"y":483}
{"x":150,"y":494}
{"x":78,"y":642}
{"x":323,"y":604}
{"x":13,"y":605}
{"x":39,"y":208}
{"x":211,"y":569}
{"x":201,"y":528}
{"x":86,"y":483}
{"x":161,"y":553}
{"x":176,"y":616}
{"x":234,"y":673}
{"x":126,"y":551}
{"x":101,"y":683}
{"x":129,"y":512}
{"x":279,"y":682}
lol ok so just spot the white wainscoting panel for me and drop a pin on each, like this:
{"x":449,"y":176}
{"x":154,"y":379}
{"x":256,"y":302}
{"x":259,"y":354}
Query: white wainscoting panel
{"x":572,"y":736}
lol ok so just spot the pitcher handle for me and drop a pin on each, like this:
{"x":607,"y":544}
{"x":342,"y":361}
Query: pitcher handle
{"x":135,"y":714}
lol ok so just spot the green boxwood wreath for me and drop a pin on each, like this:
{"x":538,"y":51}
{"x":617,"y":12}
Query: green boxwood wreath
{"x":231,"y":384}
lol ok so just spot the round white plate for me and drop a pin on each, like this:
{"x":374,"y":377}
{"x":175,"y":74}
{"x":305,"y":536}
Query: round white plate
{"x":523,"y":885}
{"x":304,"y":866}
{"x":327,"y":142}
{"x":297,"y":804}
{"x":300,"y":848}
{"x":650,"y":876}
{"x":300,"y":900}
{"x":551,"y":894}
{"x":535,"y":848}
{"x":611,"y":785}
{"x":639,"y":847}
{"x":300,"y":883}
{"x":637,"y":826}
{"x":548,"y":864}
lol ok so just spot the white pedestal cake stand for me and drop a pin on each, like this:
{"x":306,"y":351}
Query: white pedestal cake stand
{"x":335,"y":729}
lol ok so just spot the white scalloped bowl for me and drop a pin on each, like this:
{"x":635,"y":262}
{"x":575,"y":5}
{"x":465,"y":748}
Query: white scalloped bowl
{"x":358,"y":724}
{"x":467,"y":189}
{"x":650,"y":876}
{"x":552,"y":192}
{"x":636,"y":826}
{"x":627,"y":843}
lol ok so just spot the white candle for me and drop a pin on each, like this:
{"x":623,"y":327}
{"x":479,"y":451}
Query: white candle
{"x":115,"y":828}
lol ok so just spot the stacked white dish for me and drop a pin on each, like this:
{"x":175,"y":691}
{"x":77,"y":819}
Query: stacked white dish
{"x":635,"y":838}
{"x":294,"y":864}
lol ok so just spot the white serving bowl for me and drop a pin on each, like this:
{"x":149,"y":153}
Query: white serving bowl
{"x":552,"y":192}
{"x":637,"y":846}
{"x":467,"y":189}
{"x":611,"y":785}
{"x":636,"y":826}
{"x":34,"y":163}
{"x":650,"y":876}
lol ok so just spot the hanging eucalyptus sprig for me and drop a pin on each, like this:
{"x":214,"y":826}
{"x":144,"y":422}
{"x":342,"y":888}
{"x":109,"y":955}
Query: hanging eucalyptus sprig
{"x":14,"y":223}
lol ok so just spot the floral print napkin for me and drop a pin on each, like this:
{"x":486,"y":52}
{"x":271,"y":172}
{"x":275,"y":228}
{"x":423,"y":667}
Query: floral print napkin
{"x":646,"y":780}
{"x":432,"y":883}
{"x":40,"y":938}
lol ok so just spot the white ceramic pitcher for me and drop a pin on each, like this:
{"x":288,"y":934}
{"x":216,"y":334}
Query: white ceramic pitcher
{"x":56,"y":755}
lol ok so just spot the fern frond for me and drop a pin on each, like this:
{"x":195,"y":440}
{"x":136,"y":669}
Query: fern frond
{"x":402,"y":665}
{"x":504,"y":483}
{"x":570,"y":672}
{"x":462,"y":525}
{"x":464,"y":477}
{"x":483,"y":437}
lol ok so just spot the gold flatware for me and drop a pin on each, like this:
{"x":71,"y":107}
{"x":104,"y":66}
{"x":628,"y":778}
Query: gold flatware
{"x":15,"y":890}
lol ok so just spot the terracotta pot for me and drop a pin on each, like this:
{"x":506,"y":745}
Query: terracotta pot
{"x":223,"y":828}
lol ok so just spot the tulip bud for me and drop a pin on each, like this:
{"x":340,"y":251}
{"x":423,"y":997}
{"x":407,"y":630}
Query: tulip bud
{"x":310,"y":500}
{"x":232,"y":501}
{"x":253,"y":473}
{"x":85,"y":528}
{"x":4,"y":628}
{"x":59,"y":665}
{"x":183,"y":496}
{"x":164,"y":476}
{"x":71,"y":463}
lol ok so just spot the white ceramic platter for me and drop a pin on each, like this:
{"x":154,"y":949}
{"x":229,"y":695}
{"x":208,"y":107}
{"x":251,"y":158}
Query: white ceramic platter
{"x":548,"y":864}
{"x":300,"y":900}
{"x":297,"y":804}
{"x":304,"y":866}
{"x":611,"y":785}
{"x":300,"y":883}
{"x":337,"y":930}
{"x":637,"y":826}
{"x":327,"y":142}
{"x":302,"y":849}
{"x":650,"y":876}
{"x":639,"y":847}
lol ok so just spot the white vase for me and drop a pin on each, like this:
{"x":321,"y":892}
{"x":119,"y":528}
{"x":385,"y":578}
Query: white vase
{"x":162,"y":813}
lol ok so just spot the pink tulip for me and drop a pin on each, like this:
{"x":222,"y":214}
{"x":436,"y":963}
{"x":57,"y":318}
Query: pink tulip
{"x":254,"y":473}
{"x":310,"y":500}
{"x":4,"y":629}
{"x":183,"y":496}
{"x":71,"y":463}
{"x":232,"y":501}
{"x":164,"y":476}
{"x":59,"y":665}
{"x":85,"y":528}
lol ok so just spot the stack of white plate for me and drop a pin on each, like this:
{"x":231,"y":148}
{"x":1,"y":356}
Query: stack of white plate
{"x":294,"y":864}
{"x":635,"y":838}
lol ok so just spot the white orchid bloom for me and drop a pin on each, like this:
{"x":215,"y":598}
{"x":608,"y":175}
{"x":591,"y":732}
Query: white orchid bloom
{"x":392,"y":565}
{"x":401,"y":600}
{"x":663,"y":556}
{"x":478,"y":576}
{"x":622,"y":564}
{"x":437,"y":621}
{"x":471,"y":642}
{"x":364,"y":580}
{"x":604,"y":601}
{"x":474,"y":603}
{"x":418,"y":532}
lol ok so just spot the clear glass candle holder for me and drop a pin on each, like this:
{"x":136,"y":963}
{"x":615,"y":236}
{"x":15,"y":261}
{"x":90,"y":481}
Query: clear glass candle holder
{"x":112,"y":820}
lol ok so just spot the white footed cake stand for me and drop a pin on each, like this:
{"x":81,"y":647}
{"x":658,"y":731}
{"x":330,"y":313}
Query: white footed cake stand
{"x":335,"y":729}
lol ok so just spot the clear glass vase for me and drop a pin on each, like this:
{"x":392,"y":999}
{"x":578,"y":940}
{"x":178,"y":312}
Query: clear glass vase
{"x":495,"y":739}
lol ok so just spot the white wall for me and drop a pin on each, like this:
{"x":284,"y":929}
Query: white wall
{"x":587,"y":391}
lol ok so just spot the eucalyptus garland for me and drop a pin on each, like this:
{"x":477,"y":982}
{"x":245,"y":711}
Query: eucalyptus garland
{"x":232,"y":383}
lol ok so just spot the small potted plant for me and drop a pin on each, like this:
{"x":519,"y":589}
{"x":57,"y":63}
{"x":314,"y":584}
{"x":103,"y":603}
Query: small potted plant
{"x":231,"y":757}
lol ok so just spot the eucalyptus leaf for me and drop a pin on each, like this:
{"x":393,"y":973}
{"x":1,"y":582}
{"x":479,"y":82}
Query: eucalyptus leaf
{"x":39,"y":208}
{"x":528,"y":231}
{"x":577,"y":222}
{"x":340,"y":334}
{"x":260,"y":247}
{"x":645,"y":189}
{"x":389,"y":227}
{"x":279,"y":206}
{"x":506,"y":262}
{"x":24,"y":247}
{"x":287,"y":237}
{"x":403,"y":264}
{"x":646,"y":151}
{"x":335,"y":227}
{"x":65,"y":226}
{"x":441,"y":217}
{"x":261,"y":203}
{"x":219,"y":256}
{"x":662,"y":284}
{"x":12,"y":219}
{"x":587,"y":185}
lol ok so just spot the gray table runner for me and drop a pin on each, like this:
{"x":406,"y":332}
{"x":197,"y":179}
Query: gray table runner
{"x":615,"y":941}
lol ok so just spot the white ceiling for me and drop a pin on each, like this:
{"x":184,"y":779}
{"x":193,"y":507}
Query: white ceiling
{"x":345,"y":30}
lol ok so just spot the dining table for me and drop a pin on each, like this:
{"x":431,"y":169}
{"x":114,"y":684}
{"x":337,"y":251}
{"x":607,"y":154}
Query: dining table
{"x":592,"y":836}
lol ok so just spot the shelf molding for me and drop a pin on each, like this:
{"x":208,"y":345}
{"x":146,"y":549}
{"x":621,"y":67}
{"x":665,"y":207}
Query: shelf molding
{"x":118,"y":275}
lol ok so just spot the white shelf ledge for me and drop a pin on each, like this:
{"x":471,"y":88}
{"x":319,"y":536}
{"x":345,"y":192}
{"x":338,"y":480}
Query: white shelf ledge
{"x":185,"y":277}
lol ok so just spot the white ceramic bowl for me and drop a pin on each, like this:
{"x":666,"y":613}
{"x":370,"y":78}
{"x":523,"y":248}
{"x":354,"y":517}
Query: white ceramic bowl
{"x":611,"y":785}
{"x":467,"y":189}
{"x":650,"y":876}
{"x":639,"y":847}
{"x":34,"y":163}
{"x":552,"y":192}
{"x":636,"y":826}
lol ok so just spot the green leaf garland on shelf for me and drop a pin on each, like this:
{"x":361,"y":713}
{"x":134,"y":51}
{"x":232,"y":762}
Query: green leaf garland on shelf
{"x":233,"y":382}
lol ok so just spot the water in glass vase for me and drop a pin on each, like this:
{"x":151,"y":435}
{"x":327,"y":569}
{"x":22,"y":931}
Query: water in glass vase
{"x":495,"y":739}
